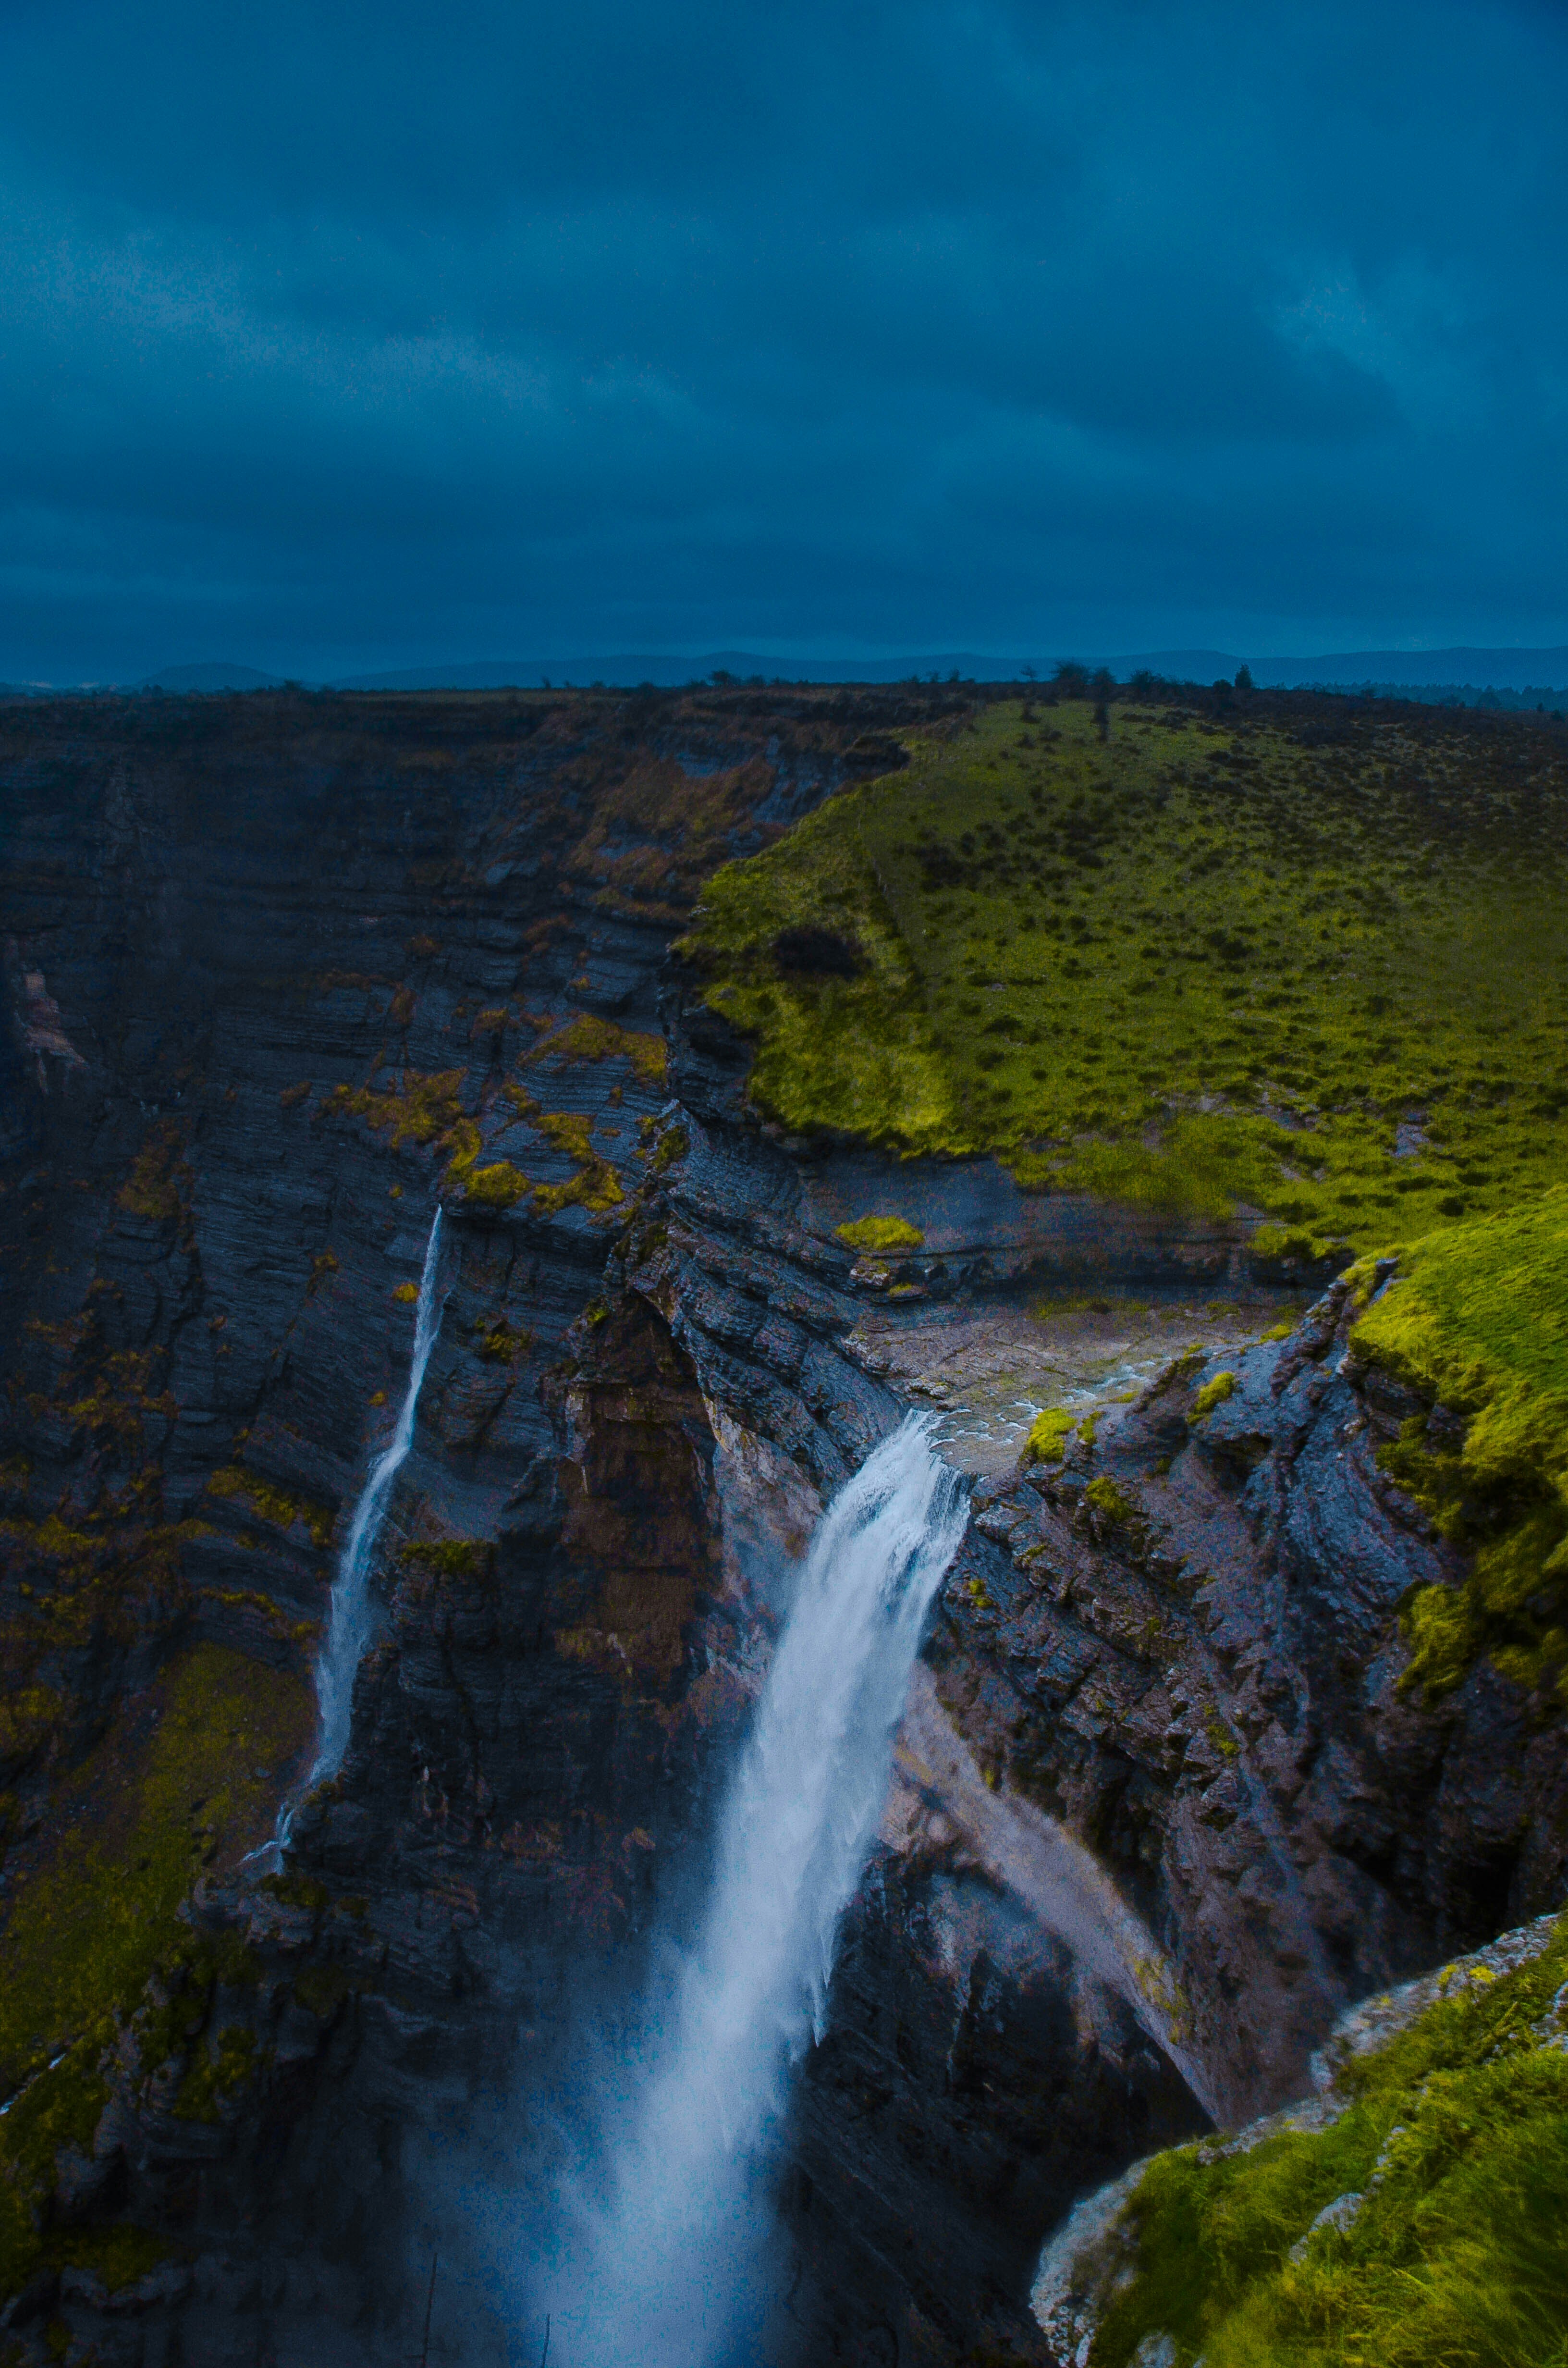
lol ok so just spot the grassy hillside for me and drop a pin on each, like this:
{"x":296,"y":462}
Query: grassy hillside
{"x":1450,"y":2168}
{"x":1199,"y":960}
{"x":1476,"y":1319}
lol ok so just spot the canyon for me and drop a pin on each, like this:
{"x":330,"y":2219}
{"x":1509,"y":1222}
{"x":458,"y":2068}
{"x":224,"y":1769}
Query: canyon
{"x":286,"y":974}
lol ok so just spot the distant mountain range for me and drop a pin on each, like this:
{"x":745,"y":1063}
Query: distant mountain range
{"x":1410,"y":670}
{"x":1543,"y":672}
{"x":1492,"y":669}
{"x":620,"y":672}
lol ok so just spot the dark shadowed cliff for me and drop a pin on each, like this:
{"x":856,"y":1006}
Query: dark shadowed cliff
{"x":283,"y":973}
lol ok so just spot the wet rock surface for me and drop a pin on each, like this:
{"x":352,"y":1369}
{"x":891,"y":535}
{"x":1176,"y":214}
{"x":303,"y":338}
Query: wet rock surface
{"x":264,"y":1016}
{"x":1183,"y":1641}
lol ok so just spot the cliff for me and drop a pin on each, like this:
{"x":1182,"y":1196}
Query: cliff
{"x":287,"y":971}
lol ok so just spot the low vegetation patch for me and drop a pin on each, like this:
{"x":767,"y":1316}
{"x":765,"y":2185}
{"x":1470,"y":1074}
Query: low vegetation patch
{"x":1475,"y":1317}
{"x":413,"y":1107}
{"x":272,"y":1504}
{"x":1113,"y":1503}
{"x":1213,"y":1393}
{"x":589,"y":1038}
{"x":451,"y":1557}
{"x":595,"y":1186}
{"x":1049,"y":1434}
{"x":1450,"y":2169}
{"x":1198,"y":962}
{"x":497,"y":1186}
{"x":880,"y":1234}
{"x":188,"y":1780}
{"x":158,"y":1186}
{"x":496,"y":1342}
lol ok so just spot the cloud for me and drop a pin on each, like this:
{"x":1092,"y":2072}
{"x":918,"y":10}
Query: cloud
{"x":339,"y":336}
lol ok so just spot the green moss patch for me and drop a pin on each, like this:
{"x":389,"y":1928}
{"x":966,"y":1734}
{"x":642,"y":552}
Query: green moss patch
{"x":496,"y":1342}
{"x":117,"y":2257}
{"x":1191,"y":966}
{"x":190,"y":1780}
{"x":1476,"y":1319}
{"x":1113,"y":1503}
{"x":497,"y":1186}
{"x":1212,"y":1395}
{"x":1456,"y":2142}
{"x":453,"y":1557}
{"x":596,"y":1185}
{"x":272,"y":1504}
{"x":672,"y":1147}
{"x":589,"y":1038}
{"x":158,"y":1186}
{"x":1049,"y":1434}
{"x":415,"y":1107}
{"x":880,"y":1234}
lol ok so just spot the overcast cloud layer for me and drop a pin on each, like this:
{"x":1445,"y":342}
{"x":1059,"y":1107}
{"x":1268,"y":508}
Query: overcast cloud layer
{"x":337,"y":336}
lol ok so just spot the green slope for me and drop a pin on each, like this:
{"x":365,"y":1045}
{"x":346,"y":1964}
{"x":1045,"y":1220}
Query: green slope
{"x":1192,"y":963}
{"x":1454,"y":2148}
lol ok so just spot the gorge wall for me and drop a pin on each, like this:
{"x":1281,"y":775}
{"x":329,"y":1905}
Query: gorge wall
{"x":283,"y":972}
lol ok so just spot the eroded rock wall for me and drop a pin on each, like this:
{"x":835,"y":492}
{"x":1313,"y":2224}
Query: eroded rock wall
{"x":273,"y":967}
{"x":286,"y":973}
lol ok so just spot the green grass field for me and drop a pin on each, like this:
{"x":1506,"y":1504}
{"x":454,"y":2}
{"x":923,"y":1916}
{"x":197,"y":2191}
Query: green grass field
{"x":1192,"y":964}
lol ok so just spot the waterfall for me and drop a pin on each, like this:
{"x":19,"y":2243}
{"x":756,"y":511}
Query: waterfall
{"x":348,"y":1620}
{"x":662,"y":2272}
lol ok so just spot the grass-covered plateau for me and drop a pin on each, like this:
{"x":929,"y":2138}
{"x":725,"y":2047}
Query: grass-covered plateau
{"x":1318,"y":968}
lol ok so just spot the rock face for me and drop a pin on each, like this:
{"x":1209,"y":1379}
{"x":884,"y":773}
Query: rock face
{"x":285,"y":973}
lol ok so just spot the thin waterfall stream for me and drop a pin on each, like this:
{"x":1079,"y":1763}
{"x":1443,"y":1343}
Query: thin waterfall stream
{"x":348,"y":1621}
{"x":666,"y":2267}
{"x":350,"y":1615}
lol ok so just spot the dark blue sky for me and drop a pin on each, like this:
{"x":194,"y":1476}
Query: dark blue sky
{"x":335,"y":336}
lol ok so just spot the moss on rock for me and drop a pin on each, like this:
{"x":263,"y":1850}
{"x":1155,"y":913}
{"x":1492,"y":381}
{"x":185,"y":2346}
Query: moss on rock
{"x":880,"y":1234}
{"x":272,"y":1504}
{"x":1415,"y":2217}
{"x":1475,"y":1318}
{"x":497,"y":1186}
{"x":177,"y":1787}
{"x":1213,"y":1392}
{"x":1047,"y":1436}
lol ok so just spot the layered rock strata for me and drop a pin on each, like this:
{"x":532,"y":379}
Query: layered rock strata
{"x":1171,"y":1664}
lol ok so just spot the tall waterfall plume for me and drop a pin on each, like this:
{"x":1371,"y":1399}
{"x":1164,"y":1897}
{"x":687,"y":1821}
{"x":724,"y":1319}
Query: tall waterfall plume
{"x":348,"y":1620}
{"x":665,"y":2269}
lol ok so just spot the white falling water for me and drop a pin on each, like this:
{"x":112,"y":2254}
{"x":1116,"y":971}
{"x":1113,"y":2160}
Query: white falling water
{"x":348,"y":1620}
{"x":663,"y":2277}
